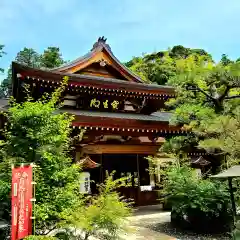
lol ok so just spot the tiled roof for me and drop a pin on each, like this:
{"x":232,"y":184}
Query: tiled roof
{"x":157,"y":116}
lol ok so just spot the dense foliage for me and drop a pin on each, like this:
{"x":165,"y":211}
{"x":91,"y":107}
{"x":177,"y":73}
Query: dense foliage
{"x":36,"y":134}
{"x":198,"y":204}
{"x":207,"y":98}
{"x":159,"y":67}
{"x":207,"y":104}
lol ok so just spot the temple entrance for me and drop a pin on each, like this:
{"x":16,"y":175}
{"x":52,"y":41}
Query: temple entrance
{"x":123,"y":165}
{"x":134,"y":167}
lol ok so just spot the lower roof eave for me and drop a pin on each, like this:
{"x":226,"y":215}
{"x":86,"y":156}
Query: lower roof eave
{"x":132,"y":123}
{"x":128,"y":129}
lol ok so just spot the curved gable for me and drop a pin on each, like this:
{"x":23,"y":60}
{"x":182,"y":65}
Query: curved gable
{"x":100,"y":61}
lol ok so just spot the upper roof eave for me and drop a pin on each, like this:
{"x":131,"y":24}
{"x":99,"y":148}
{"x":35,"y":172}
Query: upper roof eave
{"x":89,"y":80}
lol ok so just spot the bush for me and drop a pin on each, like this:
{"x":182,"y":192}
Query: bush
{"x":102,"y":215}
{"x":201,"y":205}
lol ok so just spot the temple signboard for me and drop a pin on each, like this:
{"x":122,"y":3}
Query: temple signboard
{"x":106,"y":104}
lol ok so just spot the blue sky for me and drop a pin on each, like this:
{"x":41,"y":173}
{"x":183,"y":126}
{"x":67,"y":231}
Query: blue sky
{"x":132,"y":27}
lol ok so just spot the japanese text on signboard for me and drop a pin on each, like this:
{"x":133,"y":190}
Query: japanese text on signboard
{"x":95,"y":103}
{"x":21,"y":202}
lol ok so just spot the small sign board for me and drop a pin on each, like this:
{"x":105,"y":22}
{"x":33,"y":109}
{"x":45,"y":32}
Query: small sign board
{"x":85,"y":183}
{"x":146,"y":188}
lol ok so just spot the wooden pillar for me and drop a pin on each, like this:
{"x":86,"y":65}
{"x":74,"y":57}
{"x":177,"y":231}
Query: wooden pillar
{"x":234,"y":212}
{"x":138,"y":188}
{"x":138,"y":172}
{"x":101,"y":168}
{"x":151,"y":173}
{"x":77,"y":156}
{"x":159,"y":172}
{"x":232,"y":196}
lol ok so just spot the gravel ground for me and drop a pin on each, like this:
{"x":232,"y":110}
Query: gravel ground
{"x":184,"y":235}
{"x":157,"y":226}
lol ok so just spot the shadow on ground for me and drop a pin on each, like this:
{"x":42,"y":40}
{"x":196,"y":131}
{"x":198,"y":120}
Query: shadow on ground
{"x":177,"y":233}
{"x":153,"y":223}
{"x":146,"y":210}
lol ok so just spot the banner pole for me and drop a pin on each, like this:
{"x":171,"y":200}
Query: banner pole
{"x":34,"y":198}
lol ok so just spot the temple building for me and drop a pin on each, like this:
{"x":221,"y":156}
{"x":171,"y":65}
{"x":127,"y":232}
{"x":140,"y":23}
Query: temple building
{"x":123,"y":117}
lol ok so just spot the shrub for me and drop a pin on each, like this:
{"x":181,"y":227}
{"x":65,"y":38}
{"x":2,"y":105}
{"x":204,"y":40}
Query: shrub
{"x":102,"y":215}
{"x":201,"y":205}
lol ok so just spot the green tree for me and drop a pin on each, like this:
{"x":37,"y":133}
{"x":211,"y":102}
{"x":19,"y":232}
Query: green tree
{"x":204,"y":92}
{"x":225,"y":60}
{"x":178,"y":52}
{"x":159,"y":67}
{"x":29,"y":57}
{"x":156,"y":67}
{"x":3,"y":84}
{"x":6,"y":85}
{"x":37,"y":134}
{"x":223,"y":134}
{"x":1,"y":55}
{"x":51,"y":58}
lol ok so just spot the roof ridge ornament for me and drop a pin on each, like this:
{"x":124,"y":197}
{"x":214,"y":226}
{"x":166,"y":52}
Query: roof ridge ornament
{"x":102,"y":39}
{"x":101,"y":42}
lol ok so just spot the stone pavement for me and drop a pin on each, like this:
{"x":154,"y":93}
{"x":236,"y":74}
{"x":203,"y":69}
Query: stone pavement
{"x":142,"y":233}
{"x":139,"y":225}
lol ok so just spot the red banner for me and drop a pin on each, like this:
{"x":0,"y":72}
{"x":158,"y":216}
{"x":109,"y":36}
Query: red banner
{"x":21,"y":202}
